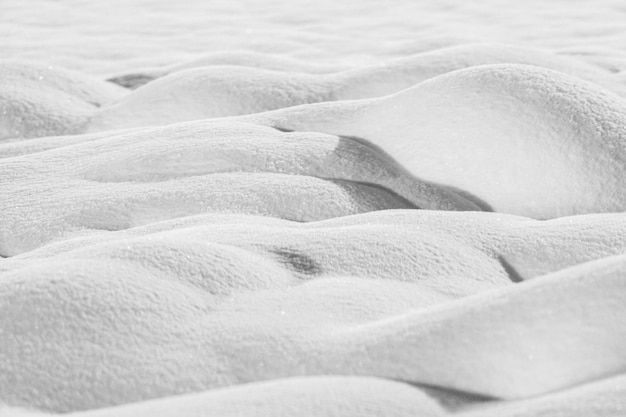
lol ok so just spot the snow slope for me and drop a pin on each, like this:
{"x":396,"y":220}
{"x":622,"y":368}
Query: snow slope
{"x":240,"y":208}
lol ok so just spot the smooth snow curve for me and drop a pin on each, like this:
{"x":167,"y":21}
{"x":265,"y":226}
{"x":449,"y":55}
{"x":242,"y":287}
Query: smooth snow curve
{"x":199,"y":90}
{"x":38,"y":100}
{"x":550,"y":144}
{"x":280,"y":208}
{"x":524,"y":140}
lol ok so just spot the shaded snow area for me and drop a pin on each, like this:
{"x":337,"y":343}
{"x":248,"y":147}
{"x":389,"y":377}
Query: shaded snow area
{"x":324,"y":209}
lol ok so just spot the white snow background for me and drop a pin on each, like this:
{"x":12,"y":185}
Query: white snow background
{"x":313,"y":208}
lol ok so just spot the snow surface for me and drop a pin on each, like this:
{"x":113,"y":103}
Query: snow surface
{"x":242,"y":208}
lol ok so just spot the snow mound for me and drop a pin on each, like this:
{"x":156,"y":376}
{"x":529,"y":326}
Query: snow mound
{"x":208,"y":92}
{"x":135,"y":178}
{"x":487,"y":249}
{"x":225,"y":90}
{"x":240,"y":58}
{"x":398,"y":74}
{"x":75,"y":206}
{"x":604,"y":398}
{"x":524,"y":140}
{"x":561,"y":137}
{"x":208,"y":306}
{"x":39,"y":100}
{"x":310,"y":396}
{"x":338,"y":208}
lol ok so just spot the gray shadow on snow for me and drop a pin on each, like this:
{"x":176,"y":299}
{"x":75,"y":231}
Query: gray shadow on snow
{"x":346,"y":141}
{"x":297,"y":261}
{"x":450,"y":399}
{"x":132,"y":81}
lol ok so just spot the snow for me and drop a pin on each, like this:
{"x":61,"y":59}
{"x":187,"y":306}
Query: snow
{"x":558,"y":139}
{"x":38,"y":100}
{"x":602,"y":398}
{"x":243,"y":208}
{"x":215,"y":90}
{"x":310,"y":396}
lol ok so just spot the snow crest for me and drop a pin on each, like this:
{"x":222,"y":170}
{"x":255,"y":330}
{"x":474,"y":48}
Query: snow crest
{"x":340,"y":210}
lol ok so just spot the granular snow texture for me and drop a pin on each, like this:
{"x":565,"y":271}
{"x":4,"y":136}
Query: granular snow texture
{"x":290,"y":208}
